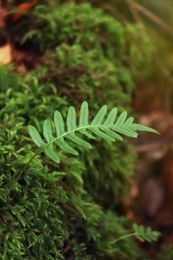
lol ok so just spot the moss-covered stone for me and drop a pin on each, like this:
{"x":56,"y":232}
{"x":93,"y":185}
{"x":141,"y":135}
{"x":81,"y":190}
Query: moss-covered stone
{"x":70,"y":211}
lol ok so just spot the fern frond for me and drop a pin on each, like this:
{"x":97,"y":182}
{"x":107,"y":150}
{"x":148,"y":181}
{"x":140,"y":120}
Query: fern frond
{"x":141,"y":233}
{"x":145,"y":234}
{"x":109,"y":129}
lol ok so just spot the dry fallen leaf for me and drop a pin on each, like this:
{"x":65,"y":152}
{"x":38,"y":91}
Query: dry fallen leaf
{"x":3,"y":16}
{"x":6,"y":54}
{"x":21,"y":9}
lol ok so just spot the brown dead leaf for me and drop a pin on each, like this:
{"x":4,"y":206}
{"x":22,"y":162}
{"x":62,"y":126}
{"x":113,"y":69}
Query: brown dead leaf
{"x":3,"y":16}
{"x":6,"y":54}
{"x":22,"y":9}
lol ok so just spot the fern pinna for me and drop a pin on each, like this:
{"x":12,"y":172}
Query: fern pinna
{"x":109,"y":129}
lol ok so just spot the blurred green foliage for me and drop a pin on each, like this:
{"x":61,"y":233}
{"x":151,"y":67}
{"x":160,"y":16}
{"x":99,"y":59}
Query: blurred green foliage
{"x":166,"y":252}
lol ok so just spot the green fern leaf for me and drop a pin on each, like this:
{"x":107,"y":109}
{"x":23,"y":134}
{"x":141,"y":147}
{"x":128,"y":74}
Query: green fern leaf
{"x":111,"y":117}
{"x":111,"y":133}
{"x":89,"y":135}
{"x":129,"y":121}
{"x":83,"y":119}
{"x":138,"y":127}
{"x":125,"y":131}
{"x":47,"y":131}
{"x":121,"y":119}
{"x":64,"y":146}
{"x":59,"y":123}
{"x":145,"y":234}
{"x":36,"y":136}
{"x":99,"y":116}
{"x":101,"y":134}
{"x":71,"y":119}
{"x":77,"y":140}
{"x":109,"y":129}
{"x":51,"y":153}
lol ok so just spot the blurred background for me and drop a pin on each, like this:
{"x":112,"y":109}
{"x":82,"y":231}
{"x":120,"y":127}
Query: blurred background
{"x":151,"y":199}
{"x":152,"y":192}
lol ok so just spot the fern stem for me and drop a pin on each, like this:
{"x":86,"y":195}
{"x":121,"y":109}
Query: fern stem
{"x":121,"y":238}
{"x":75,"y":130}
{"x":22,"y":171}
{"x":38,"y":152}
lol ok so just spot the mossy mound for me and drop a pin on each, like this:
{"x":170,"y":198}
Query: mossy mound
{"x":70,"y":211}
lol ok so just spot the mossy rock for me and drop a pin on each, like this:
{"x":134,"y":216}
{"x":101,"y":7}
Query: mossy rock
{"x":70,"y":211}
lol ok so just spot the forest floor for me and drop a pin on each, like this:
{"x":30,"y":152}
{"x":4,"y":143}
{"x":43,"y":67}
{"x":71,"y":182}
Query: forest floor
{"x":152,"y":189}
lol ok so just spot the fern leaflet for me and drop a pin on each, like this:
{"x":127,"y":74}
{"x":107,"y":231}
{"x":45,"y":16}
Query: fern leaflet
{"x":109,"y":129}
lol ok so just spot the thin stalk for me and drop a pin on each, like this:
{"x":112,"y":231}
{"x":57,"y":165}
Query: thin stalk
{"x":121,"y":238}
{"x":22,"y":171}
